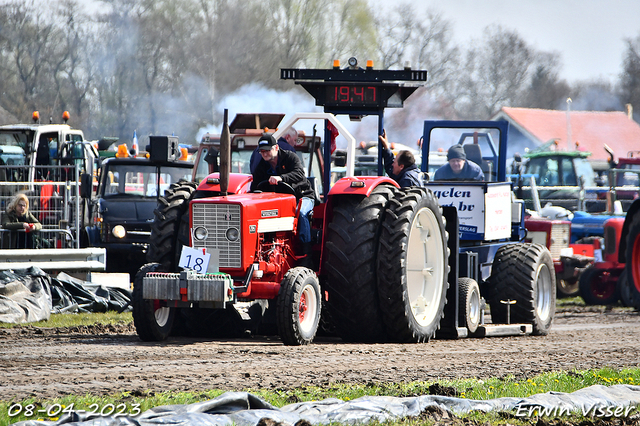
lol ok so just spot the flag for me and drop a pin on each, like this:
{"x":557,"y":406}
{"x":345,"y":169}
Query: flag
{"x":134,"y":145}
{"x":334,"y":135}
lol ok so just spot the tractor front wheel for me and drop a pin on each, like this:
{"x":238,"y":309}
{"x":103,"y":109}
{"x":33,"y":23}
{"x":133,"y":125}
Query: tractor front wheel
{"x":153,"y":322}
{"x":598,"y":287}
{"x":568,"y":288}
{"x":298,"y":308}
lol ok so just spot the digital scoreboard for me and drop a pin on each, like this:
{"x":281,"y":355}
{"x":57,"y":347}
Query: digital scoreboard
{"x":357,"y":91}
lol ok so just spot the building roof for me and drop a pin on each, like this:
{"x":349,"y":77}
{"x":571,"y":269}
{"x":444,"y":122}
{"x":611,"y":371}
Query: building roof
{"x":591,"y":129}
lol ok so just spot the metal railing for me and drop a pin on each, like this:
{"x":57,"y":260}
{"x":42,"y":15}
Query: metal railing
{"x":44,"y":238}
{"x":54,"y":199}
{"x":591,"y":199}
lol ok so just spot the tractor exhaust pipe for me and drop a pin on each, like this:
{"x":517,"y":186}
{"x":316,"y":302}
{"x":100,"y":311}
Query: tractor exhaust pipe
{"x":225,"y":155}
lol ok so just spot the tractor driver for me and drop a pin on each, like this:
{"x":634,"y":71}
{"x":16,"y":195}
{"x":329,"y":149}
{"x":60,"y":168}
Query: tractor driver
{"x":458,"y":167}
{"x":279,"y":165}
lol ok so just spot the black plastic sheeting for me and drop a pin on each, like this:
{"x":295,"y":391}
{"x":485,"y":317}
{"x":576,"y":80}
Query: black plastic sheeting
{"x":30,"y":295}
{"x":245,"y":409}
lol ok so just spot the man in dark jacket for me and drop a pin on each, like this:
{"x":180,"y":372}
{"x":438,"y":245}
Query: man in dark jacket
{"x":286,"y":141}
{"x":458,"y":167}
{"x":279,"y":165}
{"x":402,"y":168}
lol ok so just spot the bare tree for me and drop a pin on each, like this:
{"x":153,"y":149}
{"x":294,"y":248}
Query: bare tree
{"x":27,"y":39}
{"x":497,"y":70}
{"x":395,"y":36}
{"x":630,"y":77}
{"x":545,"y":90}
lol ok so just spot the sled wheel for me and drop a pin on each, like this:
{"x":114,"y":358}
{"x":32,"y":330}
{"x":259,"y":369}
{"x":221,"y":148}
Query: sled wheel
{"x":413,"y":266}
{"x":597,"y":287}
{"x":470,"y":308}
{"x":524,"y":273}
{"x":299,"y":306}
{"x":153,"y":322}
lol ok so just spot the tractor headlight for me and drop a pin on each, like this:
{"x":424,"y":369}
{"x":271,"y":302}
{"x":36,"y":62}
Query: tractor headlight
{"x":232,"y":234}
{"x":200,"y":233}
{"x":118,"y":231}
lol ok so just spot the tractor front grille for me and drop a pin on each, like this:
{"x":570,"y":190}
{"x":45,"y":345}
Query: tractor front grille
{"x":217,"y":219}
{"x":560,"y":237}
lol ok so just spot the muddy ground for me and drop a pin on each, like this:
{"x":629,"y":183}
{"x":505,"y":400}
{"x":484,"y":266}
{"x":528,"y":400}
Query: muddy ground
{"x":49,"y":363}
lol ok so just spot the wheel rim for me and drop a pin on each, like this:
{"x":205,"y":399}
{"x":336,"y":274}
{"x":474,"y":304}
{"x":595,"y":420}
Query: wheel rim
{"x":307,"y":309}
{"x":474,"y":308}
{"x":602,"y":286}
{"x":569,"y":287}
{"x":543,"y":298}
{"x":425,"y":272}
{"x":162,"y":316}
{"x":635,"y":262}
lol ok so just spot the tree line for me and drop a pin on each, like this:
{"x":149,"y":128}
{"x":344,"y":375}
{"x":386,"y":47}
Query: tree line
{"x":162,"y":66}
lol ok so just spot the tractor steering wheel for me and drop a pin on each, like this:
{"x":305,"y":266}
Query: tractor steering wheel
{"x":280,"y":188}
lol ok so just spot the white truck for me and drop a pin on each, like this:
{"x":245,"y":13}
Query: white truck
{"x":45,"y":161}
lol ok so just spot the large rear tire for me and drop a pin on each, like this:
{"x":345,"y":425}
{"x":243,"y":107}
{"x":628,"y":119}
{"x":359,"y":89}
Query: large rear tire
{"x":523,"y":272}
{"x":597,"y":287}
{"x":632,"y":267}
{"x":299,"y":306}
{"x":350,"y":253}
{"x":413,"y":266}
{"x":168,"y":234}
{"x":153,"y":322}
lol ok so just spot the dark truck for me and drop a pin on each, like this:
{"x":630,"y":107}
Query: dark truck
{"x":122,"y":209}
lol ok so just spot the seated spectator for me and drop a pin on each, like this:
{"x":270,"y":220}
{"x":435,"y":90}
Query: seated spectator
{"x":458,"y":167}
{"x":19,"y":218}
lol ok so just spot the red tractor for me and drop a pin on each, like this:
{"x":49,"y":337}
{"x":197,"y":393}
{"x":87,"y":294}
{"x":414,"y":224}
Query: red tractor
{"x":253,"y":236}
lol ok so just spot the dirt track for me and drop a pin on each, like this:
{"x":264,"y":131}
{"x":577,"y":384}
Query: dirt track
{"x":49,"y":363}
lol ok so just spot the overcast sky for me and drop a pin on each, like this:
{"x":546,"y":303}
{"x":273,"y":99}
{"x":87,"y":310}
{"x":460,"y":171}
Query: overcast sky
{"x":589,"y":34}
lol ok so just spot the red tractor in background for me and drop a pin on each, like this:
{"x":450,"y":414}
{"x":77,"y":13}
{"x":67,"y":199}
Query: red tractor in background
{"x":617,"y":275}
{"x":569,"y":260}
